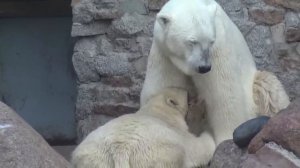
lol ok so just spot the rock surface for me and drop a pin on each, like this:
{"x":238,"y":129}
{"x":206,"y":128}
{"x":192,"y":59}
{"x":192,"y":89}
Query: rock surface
{"x":23,"y":147}
{"x":283,"y":129}
{"x":228,"y":155}
{"x":277,"y":145}
{"x":291,"y":4}
{"x":268,"y":14}
{"x":271,"y":155}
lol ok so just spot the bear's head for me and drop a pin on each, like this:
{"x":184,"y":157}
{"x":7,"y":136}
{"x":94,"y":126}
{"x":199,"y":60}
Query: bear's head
{"x":171,"y":100}
{"x":185,"y":31}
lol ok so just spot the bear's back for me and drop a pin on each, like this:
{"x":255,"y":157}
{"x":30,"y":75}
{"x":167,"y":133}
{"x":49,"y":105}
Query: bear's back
{"x":145,"y":139}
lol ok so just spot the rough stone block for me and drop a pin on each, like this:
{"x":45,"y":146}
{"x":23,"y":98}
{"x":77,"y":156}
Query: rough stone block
{"x":126,"y":44}
{"x":84,"y":66}
{"x":104,"y":95}
{"x":140,"y":65}
{"x":90,"y":10}
{"x":134,"y":6}
{"x":94,"y":45}
{"x":245,"y":26}
{"x":267,"y":14}
{"x":91,"y":67}
{"x":144,"y":44}
{"x":281,"y":49}
{"x":94,"y":28}
{"x":117,"y":81}
{"x":298,"y":49}
{"x":94,"y":95}
{"x":292,"y":19}
{"x":130,"y":24}
{"x":292,"y":34}
{"x":114,"y":64}
{"x":291,"y":4}
{"x":113,"y":110}
{"x":278,"y":33}
{"x":233,"y":8}
{"x":156,"y":5}
{"x":260,"y":43}
{"x":252,"y":2}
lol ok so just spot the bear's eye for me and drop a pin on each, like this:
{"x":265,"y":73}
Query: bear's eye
{"x":193,"y":42}
{"x":172,"y":102}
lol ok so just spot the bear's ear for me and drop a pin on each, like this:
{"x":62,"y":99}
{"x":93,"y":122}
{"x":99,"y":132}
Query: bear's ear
{"x":163,"y":20}
{"x":172,"y":102}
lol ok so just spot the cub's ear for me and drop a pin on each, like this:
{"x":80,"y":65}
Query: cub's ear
{"x":163,"y":20}
{"x":172,"y":102}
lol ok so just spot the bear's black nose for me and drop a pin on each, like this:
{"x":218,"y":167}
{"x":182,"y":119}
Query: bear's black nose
{"x":204,"y":69}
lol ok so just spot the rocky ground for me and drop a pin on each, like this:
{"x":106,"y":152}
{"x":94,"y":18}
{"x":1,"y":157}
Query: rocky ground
{"x":22,"y":147}
{"x":277,"y":145}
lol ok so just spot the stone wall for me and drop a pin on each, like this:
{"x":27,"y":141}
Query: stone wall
{"x":114,"y":38}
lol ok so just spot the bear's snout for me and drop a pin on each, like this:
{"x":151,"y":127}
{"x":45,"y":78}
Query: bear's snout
{"x":204,"y":69}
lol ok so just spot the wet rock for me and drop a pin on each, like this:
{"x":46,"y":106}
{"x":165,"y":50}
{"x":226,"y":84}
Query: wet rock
{"x":244,"y":133}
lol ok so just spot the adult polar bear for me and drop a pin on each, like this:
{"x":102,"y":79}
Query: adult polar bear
{"x":196,"y":39}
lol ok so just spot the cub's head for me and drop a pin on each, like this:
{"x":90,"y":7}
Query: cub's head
{"x":185,"y":30}
{"x":171,"y":100}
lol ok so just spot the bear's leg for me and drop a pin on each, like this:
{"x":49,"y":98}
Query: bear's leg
{"x":269,"y":94}
{"x":199,"y":150}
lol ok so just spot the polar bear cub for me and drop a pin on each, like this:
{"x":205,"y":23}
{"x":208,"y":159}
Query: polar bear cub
{"x":155,"y":136}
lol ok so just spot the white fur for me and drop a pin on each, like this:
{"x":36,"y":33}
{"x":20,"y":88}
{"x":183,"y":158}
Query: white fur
{"x":156,"y":136}
{"x":182,"y":27}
